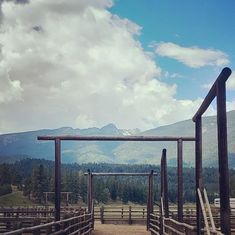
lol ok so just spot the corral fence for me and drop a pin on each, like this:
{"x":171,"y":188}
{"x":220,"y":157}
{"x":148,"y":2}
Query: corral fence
{"x":40,"y":220}
{"x":81,"y":224}
{"x":121,"y":214}
{"x":17,"y":212}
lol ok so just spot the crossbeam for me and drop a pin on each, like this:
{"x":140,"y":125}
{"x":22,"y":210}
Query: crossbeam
{"x":118,"y":174}
{"x":116,"y":138}
{"x":223,"y":77}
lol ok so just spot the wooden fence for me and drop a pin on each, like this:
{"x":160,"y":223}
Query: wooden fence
{"x":82,"y":224}
{"x":168,"y":226}
{"x":26,"y":212}
{"x":159,"y":225}
{"x":121,"y":215}
{"x":16,"y":218}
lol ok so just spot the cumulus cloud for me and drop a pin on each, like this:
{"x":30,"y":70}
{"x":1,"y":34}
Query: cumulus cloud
{"x":193,"y":57}
{"x":231,"y":82}
{"x":73,"y":63}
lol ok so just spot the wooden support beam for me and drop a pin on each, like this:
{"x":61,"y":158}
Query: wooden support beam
{"x":57,"y":178}
{"x":116,"y":138}
{"x":89,"y":191}
{"x":222,"y":78}
{"x":150,"y":200}
{"x":165,"y":184}
{"x":198,"y":170}
{"x":223,"y":158}
{"x":119,"y":174}
{"x":180,"y":180}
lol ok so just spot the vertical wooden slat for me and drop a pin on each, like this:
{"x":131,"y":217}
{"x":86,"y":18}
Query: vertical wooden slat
{"x":180,"y":179}
{"x":57,"y":178}
{"x":165,"y":184}
{"x":151,"y":192}
{"x":150,"y":198}
{"x":89,"y":192}
{"x":198,"y":170}
{"x":223,"y":158}
{"x":129,"y":219}
{"x":92,"y":203}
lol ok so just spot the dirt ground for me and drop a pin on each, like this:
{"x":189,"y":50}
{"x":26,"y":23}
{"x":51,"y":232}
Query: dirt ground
{"x":119,"y":229}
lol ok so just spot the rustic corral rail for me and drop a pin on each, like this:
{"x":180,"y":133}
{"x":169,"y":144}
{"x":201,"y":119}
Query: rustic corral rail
{"x":122,"y":215}
{"x":26,"y":212}
{"x":82,"y":224}
{"x":161,"y":225}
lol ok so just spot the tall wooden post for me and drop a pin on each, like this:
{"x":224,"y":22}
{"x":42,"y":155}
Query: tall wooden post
{"x":150,"y":198}
{"x":165,"y":184}
{"x":89,"y":192}
{"x":57,"y":178}
{"x":92,"y":204}
{"x":223,"y":159}
{"x":180,"y":179}
{"x":198,"y":170}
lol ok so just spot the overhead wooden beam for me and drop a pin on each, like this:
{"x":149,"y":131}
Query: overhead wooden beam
{"x":118,"y":174}
{"x":116,"y":138}
{"x":222,"y":78}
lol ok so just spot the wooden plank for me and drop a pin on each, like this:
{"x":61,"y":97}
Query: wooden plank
{"x":117,"y":138}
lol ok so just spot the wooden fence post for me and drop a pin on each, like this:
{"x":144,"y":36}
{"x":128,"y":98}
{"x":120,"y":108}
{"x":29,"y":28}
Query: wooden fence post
{"x":198,"y":170}
{"x":57,"y":178}
{"x":223,"y":158}
{"x":102,"y":214}
{"x":180,"y":179}
{"x":129,"y":220}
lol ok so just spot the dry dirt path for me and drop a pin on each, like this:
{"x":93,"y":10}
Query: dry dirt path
{"x":119,"y":229}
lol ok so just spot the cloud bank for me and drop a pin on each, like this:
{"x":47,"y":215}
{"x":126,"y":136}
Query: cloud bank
{"x":193,"y":57}
{"x":73,"y":63}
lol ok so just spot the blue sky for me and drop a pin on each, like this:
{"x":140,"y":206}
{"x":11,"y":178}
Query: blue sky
{"x":205,"y":24}
{"x":137,"y":64}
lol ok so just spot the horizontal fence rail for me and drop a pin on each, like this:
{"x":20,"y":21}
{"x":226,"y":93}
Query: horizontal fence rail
{"x":17,"y":218}
{"x":121,"y":215}
{"x":82,"y":224}
{"x":24,"y":212}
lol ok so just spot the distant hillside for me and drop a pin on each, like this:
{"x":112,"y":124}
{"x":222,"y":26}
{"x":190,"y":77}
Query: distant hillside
{"x":26,"y":144}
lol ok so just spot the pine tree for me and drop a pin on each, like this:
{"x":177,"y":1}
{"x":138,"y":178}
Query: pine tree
{"x":39,"y":183}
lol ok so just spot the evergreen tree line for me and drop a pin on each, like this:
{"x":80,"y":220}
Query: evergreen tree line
{"x":35,"y":177}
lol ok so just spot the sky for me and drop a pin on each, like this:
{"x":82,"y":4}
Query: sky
{"x":137,"y":64}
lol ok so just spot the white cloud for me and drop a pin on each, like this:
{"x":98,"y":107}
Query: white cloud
{"x":73,"y":63}
{"x":231,"y":82}
{"x":193,"y":57}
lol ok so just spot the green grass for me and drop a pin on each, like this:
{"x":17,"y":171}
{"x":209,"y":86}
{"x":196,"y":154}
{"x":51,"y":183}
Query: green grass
{"x":16,"y":198}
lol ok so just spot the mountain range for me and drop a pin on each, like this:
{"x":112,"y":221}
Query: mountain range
{"x":16,"y":146}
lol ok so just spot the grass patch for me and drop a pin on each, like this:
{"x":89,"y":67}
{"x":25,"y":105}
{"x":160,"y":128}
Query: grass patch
{"x":16,"y":198}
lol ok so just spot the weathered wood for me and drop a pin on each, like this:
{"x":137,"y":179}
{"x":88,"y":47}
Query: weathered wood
{"x":150,"y":198}
{"x":223,"y":158}
{"x":89,"y":192}
{"x":198,"y":170}
{"x":203,"y":211}
{"x":116,"y":138}
{"x":180,"y":179}
{"x":66,"y":226}
{"x":57,"y":178}
{"x":209,"y":210}
{"x":119,"y":174}
{"x":222,"y":78}
{"x":165,"y":184}
{"x":129,"y":220}
{"x":102,"y":214}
